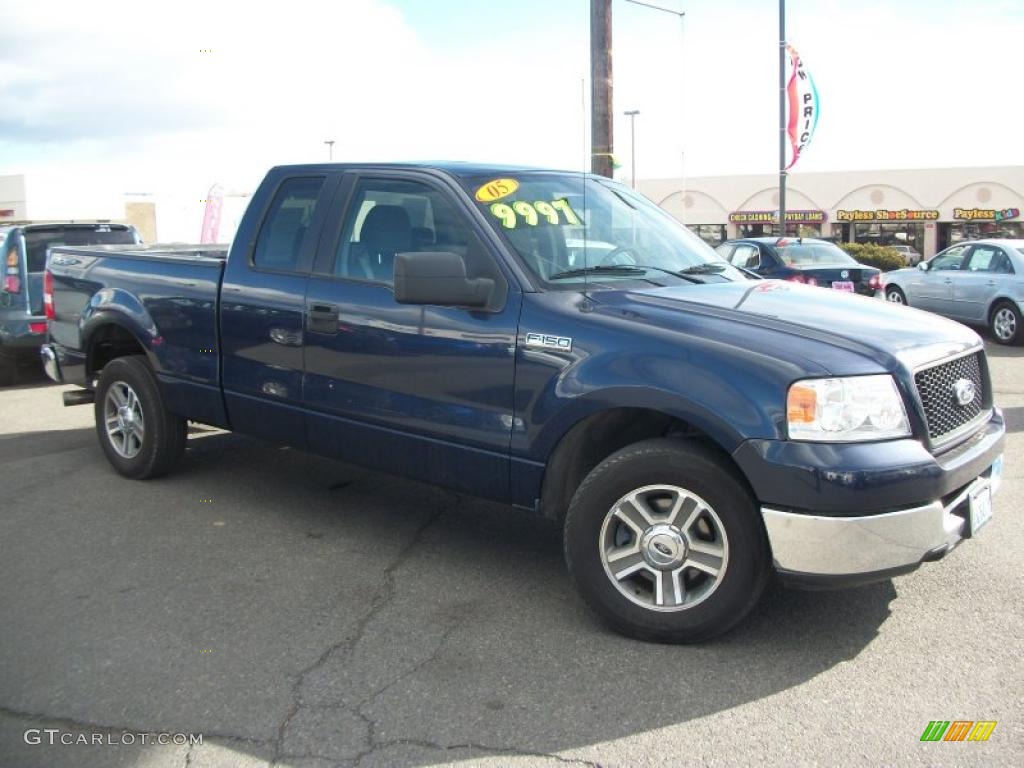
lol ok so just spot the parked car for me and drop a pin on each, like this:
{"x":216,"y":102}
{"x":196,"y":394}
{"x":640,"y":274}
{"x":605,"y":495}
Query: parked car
{"x":24,"y":249}
{"x":908,"y":253}
{"x":802,"y":260}
{"x":979,"y":283}
{"x":693,"y":430}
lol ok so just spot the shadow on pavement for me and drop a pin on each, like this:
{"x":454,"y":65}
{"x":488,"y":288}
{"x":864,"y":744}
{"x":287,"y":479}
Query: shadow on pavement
{"x":294,"y":608}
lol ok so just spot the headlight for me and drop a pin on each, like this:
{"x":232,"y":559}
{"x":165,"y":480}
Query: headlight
{"x":846,"y":410}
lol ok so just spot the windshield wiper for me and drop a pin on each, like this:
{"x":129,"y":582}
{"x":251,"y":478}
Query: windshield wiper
{"x":621,"y":269}
{"x":608,"y":269}
{"x":707,"y":268}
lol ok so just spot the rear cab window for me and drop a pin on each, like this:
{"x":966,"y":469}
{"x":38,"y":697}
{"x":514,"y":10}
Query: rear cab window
{"x":283,"y":232}
{"x":38,"y":240}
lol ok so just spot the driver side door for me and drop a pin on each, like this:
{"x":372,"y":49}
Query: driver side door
{"x":932,"y":289}
{"x":417,"y":390}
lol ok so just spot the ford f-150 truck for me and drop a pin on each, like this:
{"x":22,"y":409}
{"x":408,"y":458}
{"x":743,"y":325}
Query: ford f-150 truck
{"x":554,"y":341}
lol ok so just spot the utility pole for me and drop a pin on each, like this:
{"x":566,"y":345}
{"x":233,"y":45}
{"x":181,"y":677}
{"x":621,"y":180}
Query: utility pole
{"x":330,"y":149}
{"x":601,"y":87}
{"x":631,"y":114}
{"x":782,"y":118}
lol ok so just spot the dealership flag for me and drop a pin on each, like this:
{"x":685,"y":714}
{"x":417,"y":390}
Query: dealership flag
{"x":802,"y":99}
{"x":211,"y":215}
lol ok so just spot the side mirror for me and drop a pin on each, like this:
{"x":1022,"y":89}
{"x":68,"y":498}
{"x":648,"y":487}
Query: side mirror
{"x":923,"y":266}
{"x":438,"y":277}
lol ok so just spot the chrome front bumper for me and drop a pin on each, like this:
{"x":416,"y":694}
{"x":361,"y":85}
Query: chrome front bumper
{"x":819,"y":550}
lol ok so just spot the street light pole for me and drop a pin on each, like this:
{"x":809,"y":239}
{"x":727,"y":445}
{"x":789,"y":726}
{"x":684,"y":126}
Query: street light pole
{"x":330,"y":149}
{"x":632,"y":141}
{"x":682,"y":29}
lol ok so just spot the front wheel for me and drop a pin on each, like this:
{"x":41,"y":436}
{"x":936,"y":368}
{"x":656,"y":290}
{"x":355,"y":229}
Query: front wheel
{"x":1005,"y":323}
{"x":665,"y":543}
{"x":895,"y":295}
{"x":140,"y":438}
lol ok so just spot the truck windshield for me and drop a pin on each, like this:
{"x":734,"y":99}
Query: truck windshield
{"x":39,"y":239}
{"x":569,"y":228}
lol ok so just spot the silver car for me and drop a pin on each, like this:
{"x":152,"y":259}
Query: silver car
{"x":979,"y":283}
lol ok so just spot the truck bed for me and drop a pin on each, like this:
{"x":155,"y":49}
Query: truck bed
{"x":164,"y":251}
{"x":165,"y":296}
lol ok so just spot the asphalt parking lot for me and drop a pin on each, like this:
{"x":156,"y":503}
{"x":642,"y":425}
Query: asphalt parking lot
{"x":305,"y":613}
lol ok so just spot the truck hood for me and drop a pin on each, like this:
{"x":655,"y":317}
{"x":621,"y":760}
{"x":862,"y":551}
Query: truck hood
{"x":815,"y":318}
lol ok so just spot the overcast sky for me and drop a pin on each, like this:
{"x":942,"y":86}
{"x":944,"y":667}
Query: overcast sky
{"x":127,"y":92}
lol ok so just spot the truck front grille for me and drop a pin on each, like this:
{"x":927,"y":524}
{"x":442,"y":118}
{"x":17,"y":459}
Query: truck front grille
{"x":937,"y":385}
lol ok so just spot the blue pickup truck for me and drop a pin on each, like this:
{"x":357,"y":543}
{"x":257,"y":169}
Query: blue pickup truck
{"x":554,"y":341}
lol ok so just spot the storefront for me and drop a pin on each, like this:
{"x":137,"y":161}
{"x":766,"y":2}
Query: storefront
{"x":976,"y":223}
{"x":926,"y":209}
{"x":763,"y":223}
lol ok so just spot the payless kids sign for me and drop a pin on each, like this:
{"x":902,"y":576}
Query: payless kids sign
{"x":985,"y":214}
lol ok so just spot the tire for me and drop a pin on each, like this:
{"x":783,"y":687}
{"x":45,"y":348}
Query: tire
{"x":1004,"y":323}
{"x":702,"y":486}
{"x":895,"y":295}
{"x":143,"y":453}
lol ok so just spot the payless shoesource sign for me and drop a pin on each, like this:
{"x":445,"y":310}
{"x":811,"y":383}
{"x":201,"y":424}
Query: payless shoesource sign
{"x":904,"y":214}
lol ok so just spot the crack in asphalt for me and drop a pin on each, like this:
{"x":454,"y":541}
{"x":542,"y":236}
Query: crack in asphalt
{"x":515,"y":751}
{"x":381,"y":600}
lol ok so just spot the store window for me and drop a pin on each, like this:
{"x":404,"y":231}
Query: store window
{"x":902,"y":233}
{"x":951,"y":234}
{"x":793,"y":229}
{"x":712,"y":234}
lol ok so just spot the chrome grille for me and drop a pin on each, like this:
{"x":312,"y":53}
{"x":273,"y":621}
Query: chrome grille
{"x":935,"y":385}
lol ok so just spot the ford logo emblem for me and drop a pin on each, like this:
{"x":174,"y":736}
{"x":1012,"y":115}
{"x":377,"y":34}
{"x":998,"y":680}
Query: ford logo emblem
{"x":964,"y":391}
{"x":662,"y":548}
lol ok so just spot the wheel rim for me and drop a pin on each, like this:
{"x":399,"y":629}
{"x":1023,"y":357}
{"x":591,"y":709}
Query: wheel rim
{"x":664,"y":548}
{"x":122,"y":414}
{"x":1004,"y":324}
{"x":895,"y":297}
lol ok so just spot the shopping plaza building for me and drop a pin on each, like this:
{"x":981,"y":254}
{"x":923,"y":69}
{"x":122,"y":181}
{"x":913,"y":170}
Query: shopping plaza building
{"x":928,"y":209}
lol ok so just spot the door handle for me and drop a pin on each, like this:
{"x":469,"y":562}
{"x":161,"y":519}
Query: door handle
{"x":323,"y":318}
{"x":991,"y":282}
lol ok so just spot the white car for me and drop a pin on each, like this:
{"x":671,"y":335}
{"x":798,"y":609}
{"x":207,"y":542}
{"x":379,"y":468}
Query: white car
{"x":979,"y":283}
{"x":908,"y":253}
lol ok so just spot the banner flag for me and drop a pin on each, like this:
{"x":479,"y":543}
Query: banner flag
{"x":802,"y":99}
{"x":211,"y":215}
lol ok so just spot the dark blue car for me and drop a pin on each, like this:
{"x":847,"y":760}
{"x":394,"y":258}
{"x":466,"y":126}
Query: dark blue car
{"x":802,"y":260}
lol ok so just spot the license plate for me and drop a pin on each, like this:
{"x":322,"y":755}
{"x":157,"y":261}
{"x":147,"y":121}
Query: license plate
{"x":981,"y":508}
{"x":842,"y":285}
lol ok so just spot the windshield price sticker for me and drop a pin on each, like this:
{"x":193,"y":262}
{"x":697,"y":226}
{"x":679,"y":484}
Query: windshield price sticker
{"x":495,"y":190}
{"x":533,"y":214}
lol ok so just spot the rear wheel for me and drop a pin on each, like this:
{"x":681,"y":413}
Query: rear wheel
{"x":665,"y":543}
{"x":140,"y":438}
{"x":1005,"y":323}
{"x":895,"y":295}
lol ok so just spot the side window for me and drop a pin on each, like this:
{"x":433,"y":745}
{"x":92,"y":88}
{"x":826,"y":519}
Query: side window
{"x":724,"y":250}
{"x":951,"y":258}
{"x":746,"y":256}
{"x":1001,"y":264}
{"x":981,"y":258}
{"x":389,"y":216}
{"x":284,"y":229}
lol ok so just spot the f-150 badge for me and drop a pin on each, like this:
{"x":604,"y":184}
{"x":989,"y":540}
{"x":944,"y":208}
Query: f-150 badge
{"x":546,"y":341}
